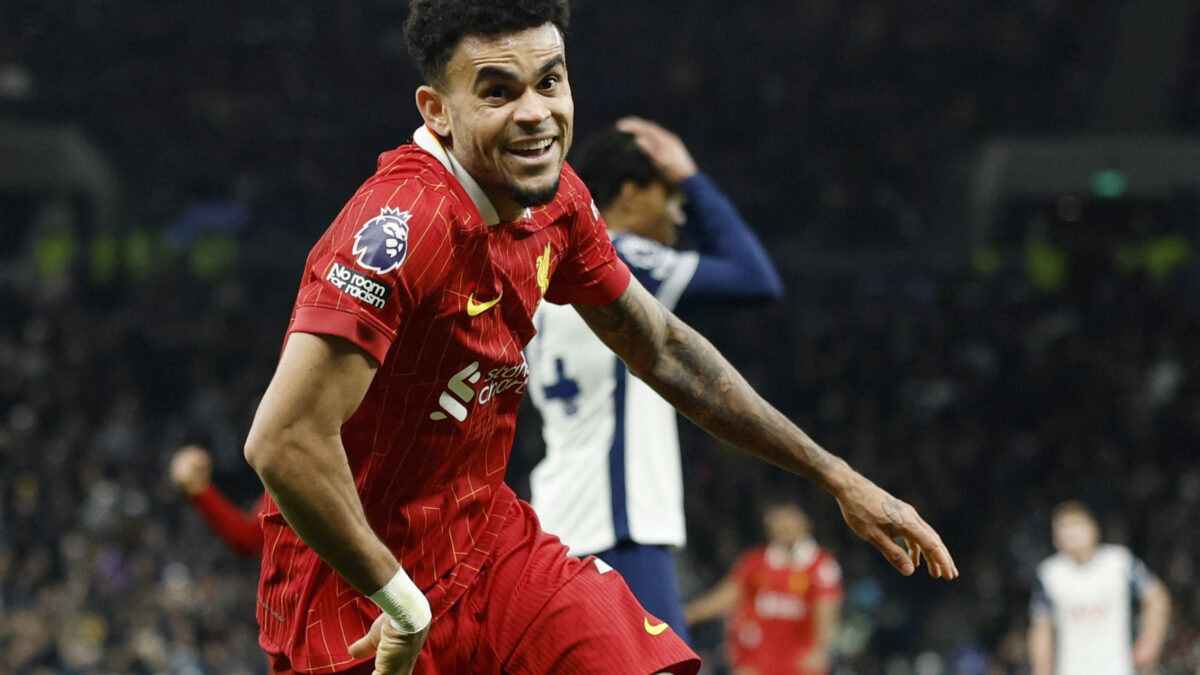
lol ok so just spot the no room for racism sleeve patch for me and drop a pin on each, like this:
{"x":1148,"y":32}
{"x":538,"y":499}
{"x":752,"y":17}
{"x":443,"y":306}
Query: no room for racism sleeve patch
{"x":358,"y":285}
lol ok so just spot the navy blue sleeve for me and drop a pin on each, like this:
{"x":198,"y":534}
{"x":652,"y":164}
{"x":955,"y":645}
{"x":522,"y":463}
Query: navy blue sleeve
{"x":1039,"y":601}
{"x":1140,"y":577}
{"x":733,"y":262}
{"x":664,"y":271}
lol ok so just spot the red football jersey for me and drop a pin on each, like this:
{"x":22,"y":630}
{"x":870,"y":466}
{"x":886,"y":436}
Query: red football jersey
{"x":772,"y":628}
{"x":417,"y":272}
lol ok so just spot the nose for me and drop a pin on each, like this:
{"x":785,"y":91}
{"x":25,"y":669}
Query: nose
{"x":531,"y":109}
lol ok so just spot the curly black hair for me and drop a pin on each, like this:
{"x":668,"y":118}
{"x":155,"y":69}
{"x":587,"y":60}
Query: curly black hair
{"x":609,"y":158}
{"x":435,"y":27}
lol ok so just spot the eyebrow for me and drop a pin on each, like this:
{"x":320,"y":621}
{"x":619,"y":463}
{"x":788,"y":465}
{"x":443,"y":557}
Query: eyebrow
{"x":494,"y":73}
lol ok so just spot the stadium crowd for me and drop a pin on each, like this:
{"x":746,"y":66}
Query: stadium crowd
{"x":983,"y":394}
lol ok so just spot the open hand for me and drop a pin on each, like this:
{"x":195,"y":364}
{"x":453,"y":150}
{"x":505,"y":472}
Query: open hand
{"x":879,"y":518}
{"x":395,"y":651}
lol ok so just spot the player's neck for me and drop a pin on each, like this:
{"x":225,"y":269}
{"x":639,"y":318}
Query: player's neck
{"x":1083,"y":557}
{"x":617,"y":227}
{"x":615,"y":223}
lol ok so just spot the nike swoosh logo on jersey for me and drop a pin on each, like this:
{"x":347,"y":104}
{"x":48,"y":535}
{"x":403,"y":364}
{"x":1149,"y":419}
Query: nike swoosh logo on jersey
{"x":654,"y":629}
{"x":476,"y":308}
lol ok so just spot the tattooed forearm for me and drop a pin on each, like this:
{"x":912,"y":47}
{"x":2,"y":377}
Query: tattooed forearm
{"x":721,"y":401}
{"x":686,"y":370}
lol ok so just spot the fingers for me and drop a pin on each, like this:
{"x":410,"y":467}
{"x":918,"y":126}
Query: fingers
{"x":637,"y":125}
{"x":648,"y":136}
{"x":896,"y":555}
{"x":663,"y":147}
{"x":367,"y":644}
{"x":923,"y":539}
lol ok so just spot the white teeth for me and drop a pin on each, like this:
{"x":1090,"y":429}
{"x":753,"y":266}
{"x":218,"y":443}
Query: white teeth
{"x":532,"y":145}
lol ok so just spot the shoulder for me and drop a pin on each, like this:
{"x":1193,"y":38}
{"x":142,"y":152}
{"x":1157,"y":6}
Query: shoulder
{"x":1117,"y":556}
{"x":646,"y":255}
{"x":824,"y":554}
{"x":753,"y":556}
{"x":410,"y":196}
{"x":826,"y":570}
{"x":1115,"y":551}
{"x":1052,"y":565}
{"x":410,"y":179}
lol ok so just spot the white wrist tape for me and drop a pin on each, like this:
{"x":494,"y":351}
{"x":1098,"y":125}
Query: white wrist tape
{"x":404,"y":602}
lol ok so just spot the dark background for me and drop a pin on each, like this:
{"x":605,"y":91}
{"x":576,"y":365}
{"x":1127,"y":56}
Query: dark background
{"x":981,"y":349}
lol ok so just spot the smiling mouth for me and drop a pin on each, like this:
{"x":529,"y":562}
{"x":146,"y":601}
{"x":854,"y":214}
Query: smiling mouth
{"x":532,"y":149}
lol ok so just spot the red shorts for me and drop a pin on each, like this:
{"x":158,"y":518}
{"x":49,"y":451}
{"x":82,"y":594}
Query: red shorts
{"x":533,"y":609}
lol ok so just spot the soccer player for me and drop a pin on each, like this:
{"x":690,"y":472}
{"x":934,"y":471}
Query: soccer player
{"x":385,"y":432}
{"x":191,"y":471}
{"x":785,"y":598}
{"x":611,"y":483}
{"x":1081,"y":613}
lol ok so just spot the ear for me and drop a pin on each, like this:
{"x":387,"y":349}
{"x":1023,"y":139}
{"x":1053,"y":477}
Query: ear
{"x":432,"y":105}
{"x":628,"y":195}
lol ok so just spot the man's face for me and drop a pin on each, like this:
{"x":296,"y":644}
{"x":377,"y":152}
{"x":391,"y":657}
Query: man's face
{"x":1076,"y":535}
{"x":509,"y":114}
{"x":654,"y":211}
{"x":785,"y":525}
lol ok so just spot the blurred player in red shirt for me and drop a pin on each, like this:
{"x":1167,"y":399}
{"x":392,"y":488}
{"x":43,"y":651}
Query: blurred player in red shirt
{"x":385,"y":433}
{"x":191,"y":471}
{"x":785,"y":598}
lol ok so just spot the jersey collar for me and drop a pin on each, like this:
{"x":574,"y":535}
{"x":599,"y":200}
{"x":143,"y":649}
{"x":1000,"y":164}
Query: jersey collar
{"x":801,"y":555}
{"x":427,"y":141}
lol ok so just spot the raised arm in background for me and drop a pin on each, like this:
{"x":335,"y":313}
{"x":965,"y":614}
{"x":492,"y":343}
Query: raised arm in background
{"x":731,"y":262}
{"x":191,"y":472}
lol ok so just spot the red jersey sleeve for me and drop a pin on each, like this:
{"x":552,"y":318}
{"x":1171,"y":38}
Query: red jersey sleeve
{"x":374,"y":265}
{"x":590,"y":273}
{"x":745,"y":565}
{"x":827,"y":578}
{"x":240,"y":531}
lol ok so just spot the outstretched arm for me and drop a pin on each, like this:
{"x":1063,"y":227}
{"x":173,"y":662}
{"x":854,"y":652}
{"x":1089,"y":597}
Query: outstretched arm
{"x":686,"y":370}
{"x":716,"y":603}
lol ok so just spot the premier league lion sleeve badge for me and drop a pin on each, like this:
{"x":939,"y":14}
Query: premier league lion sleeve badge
{"x":382,"y":243}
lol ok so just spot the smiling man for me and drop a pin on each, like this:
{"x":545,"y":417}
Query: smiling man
{"x":384,"y":435}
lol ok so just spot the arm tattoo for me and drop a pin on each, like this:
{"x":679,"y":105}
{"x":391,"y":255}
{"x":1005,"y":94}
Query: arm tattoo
{"x":686,"y":370}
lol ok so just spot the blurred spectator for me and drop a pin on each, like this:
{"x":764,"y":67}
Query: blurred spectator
{"x":783,"y":601}
{"x":1082,"y":607}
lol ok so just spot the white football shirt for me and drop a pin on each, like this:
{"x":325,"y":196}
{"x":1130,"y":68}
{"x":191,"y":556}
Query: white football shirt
{"x":1091,"y":607}
{"x":612,"y":469}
